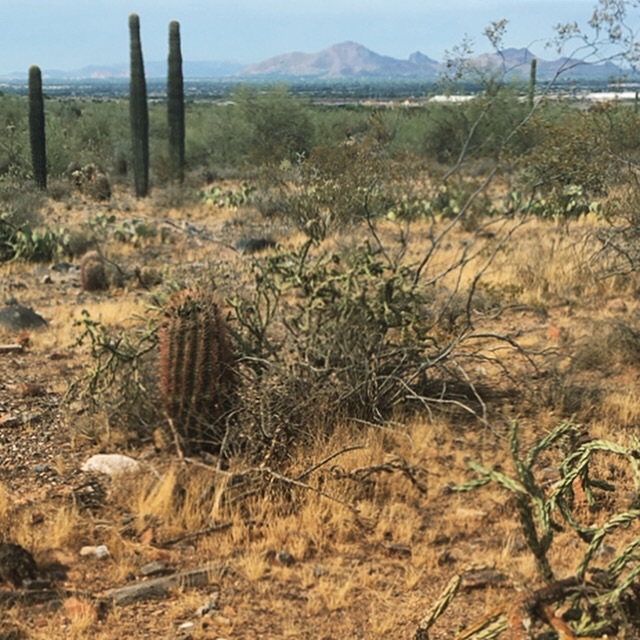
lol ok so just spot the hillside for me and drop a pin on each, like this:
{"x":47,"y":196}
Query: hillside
{"x":352,"y":60}
{"x":347,"y":60}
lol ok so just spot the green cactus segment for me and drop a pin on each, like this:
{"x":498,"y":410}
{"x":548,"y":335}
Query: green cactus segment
{"x":37,"y":127}
{"x":138,"y":111}
{"x":175,"y":104}
{"x":196,"y":369}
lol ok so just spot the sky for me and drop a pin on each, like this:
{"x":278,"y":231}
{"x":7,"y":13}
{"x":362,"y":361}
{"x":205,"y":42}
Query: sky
{"x":70,"y":34}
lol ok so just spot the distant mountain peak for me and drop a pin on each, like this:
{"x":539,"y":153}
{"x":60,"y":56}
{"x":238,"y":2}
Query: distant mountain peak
{"x":351,"y":60}
{"x":344,"y":60}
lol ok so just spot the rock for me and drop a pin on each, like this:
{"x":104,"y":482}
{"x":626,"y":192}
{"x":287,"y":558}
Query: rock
{"x":112,"y":464}
{"x":154,"y":568}
{"x":101,"y":552}
{"x":9,"y":420}
{"x":41,"y":468}
{"x":46,"y":279}
{"x":285,"y":558}
{"x":17,"y":565}
{"x":15,"y":317}
{"x":62,"y":267}
{"x":250,"y":246}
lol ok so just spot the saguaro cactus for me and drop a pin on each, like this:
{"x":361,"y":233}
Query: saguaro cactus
{"x":196,"y":370}
{"x":175,"y":104}
{"x":138,"y":111}
{"x":37,"y":127}
{"x":532,"y":82}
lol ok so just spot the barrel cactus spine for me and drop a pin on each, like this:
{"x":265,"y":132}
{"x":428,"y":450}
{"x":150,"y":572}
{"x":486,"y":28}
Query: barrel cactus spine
{"x":175,"y":104}
{"x":138,"y":111}
{"x":37,"y":127}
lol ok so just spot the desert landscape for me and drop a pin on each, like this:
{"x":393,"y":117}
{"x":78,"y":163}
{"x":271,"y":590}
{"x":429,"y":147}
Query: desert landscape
{"x":363,"y":371}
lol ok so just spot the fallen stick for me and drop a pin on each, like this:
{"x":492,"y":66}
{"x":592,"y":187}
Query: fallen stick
{"x":160,"y":587}
{"x":11,"y":348}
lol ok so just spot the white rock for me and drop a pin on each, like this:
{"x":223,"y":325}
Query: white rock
{"x":111,"y":463}
{"x":100,"y":552}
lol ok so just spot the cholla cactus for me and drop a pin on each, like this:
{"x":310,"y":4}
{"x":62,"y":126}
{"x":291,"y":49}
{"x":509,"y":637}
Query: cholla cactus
{"x":196,"y":370}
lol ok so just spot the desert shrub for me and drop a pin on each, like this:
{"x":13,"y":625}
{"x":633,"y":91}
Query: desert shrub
{"x":342,"y":334}
{"x":569,"y":165}
{"x":334,"y":187}
{"x":121,"y":378}
{"x":485,"y":126}
{"x":277,"y":123}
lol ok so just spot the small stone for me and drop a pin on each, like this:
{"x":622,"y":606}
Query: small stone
{"x":186,"y":626}
{"x":62,"y":267}
{"x":41,"y":468}
{"x":101,"y":552}
{"x":111,"y":464}
{"x":154,"y":568}
{"x":46,"y":279}
{"x":9,"y":420}
{"x":285,"y":558}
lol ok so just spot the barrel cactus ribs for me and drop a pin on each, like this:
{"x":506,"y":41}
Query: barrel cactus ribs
{"x":196,"y":370}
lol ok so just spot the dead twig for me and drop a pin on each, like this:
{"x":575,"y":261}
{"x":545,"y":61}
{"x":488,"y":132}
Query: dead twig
{"x":192,"y":535}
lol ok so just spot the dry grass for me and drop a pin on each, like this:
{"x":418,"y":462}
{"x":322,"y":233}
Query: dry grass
{"x":366,"y":545}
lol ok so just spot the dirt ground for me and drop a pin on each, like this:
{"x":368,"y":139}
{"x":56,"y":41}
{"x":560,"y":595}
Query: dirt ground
{"x":367,"y":543}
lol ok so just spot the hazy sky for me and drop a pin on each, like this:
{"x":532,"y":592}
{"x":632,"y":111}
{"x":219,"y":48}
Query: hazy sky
{"x":69,"y":34}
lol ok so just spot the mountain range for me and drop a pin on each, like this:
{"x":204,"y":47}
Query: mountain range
{"x":350,"y":61}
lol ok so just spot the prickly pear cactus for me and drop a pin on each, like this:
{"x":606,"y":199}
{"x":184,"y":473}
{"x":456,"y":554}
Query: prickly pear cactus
{"x":196,"y":370}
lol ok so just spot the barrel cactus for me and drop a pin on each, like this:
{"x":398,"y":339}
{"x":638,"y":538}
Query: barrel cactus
{"x":93,"y":275}
{"x":197,"y":373}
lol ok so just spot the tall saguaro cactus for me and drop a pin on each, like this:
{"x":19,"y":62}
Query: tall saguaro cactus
{"x":175,"y":104}
{"x":138,"y":111}
{"x":37,"y":127}
{"x":532,"y":82}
